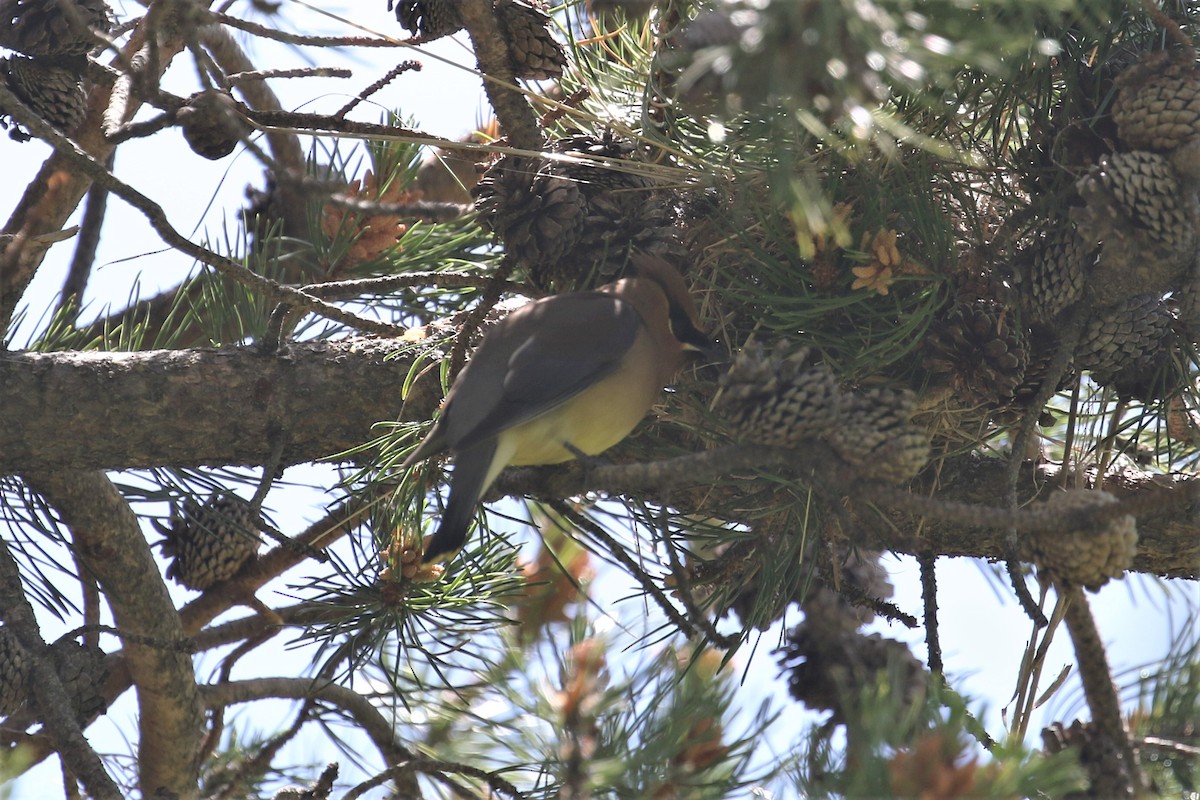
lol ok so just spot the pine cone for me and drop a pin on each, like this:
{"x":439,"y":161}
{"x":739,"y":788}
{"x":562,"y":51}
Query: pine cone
{"x":827,"y":671}
{"x":1055,"y":269}
{"x":1086,"y":557}
{"x":53,"y":93}
{"x":1145,"y":221}
{"x":535,"y":53}
{"x":1158,"y":105}
{"x":211,"y":124}
{"x":82,"y":672}
{"x":1097,"y":755}
{"x":878,"y":437}
{"x":779,"y":399}
{"x":1188,"y":302}
{"x":1129,"y":335}
{"x":14,"y":672}
{"x":828,"y":611}
{"x":537,"y":216}
{"x":209,"y":543}
{"x":46,"y":29}
{"x":979,"y":350}
{"x":624,"y":211}
{"x":430,"y":19}
{"x":572,"y":224}
{"x":1144,"y":189}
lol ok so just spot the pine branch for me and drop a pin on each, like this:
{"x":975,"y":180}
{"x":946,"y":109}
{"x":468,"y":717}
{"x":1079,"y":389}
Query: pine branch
{"x":195,"y":407}
{"x":108,"y":539}
{"x":379,"y":729}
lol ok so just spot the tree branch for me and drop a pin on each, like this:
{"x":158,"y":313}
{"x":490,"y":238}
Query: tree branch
{"x":382,"y":733}
{"x":110,"y":542}
{"x":196,"y":407}
{"x":47,"y":689}
{"x":516,"y":116}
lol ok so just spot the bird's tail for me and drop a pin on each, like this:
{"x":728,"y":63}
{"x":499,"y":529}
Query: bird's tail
{"x":467,"y":485}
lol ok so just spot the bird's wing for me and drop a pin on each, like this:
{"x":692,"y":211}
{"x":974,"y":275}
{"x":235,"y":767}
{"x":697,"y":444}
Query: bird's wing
{"x":538,"y":357}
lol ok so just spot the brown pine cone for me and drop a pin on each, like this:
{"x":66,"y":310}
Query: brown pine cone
{"x":208,"y":543}
{"x":1080,"y":557}
{"x":878,"y":437}
{"x":53,"y":93}
{"x":1056,"y":267}
{"x":536,"y":55}
{"x":14,"y":672}
{"x":827,"y":671}
{"x":979,"y":350}
{"x":1128,"y":335}
{"x":429,"y":19}
{"x":779,"y":399}
{"x":44,"y":28}
{"x":1144,"y":219}
{"x":211,"y":124}
{"x":1158,"y":103}
{"x":82,"y":671}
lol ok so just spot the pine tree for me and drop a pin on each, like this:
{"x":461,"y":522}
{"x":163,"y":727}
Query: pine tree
{"x":950,"y":248}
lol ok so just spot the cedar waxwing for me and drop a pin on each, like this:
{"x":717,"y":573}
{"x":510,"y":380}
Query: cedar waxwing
{"x":564,"y":375}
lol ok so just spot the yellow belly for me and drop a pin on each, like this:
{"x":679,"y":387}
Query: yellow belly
{"x":591,"y":421}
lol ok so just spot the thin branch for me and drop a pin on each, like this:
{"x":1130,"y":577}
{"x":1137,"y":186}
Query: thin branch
{"x":928,"y":564}
{"x":430,"y":765}
{"x":1069,"y":334}
{"x":235,"y":78}
{"x":1116,"y":772}
{"x":298,"y":39}
{"x":83,"y":260}
{"x":634,"y":569}
{"x":408,"y":280}
{"x":391,"y":75}
{"x":157,"y":218}
{"x":373,"y":723}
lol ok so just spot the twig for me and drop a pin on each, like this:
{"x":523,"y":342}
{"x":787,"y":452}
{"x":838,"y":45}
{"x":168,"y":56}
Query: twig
{"x":379,"y":729}
{"x":491,"y":296}
{"x":683,"y":590}
{"x":261,"y":760}
{"x":298,"y":39}
{"x":83,"y":260}
{"x":300,"y":72}
{"x":424,"y":209}
{"x":1068,"y":339}
{"x":430,"y":765}
{"x":157,"y":218}
{"x":388,"y":283}
{"x":514,"y":113}
{"x":928,"y":564}
{"x":392,"y":74}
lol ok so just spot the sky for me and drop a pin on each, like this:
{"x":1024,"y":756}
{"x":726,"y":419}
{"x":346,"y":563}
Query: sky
{"x":984,"y":633}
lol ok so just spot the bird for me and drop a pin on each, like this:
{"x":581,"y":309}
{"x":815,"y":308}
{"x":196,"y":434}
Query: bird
{"x":564,"y":376}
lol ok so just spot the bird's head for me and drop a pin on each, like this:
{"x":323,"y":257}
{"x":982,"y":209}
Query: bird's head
{"x":682,"y":316}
